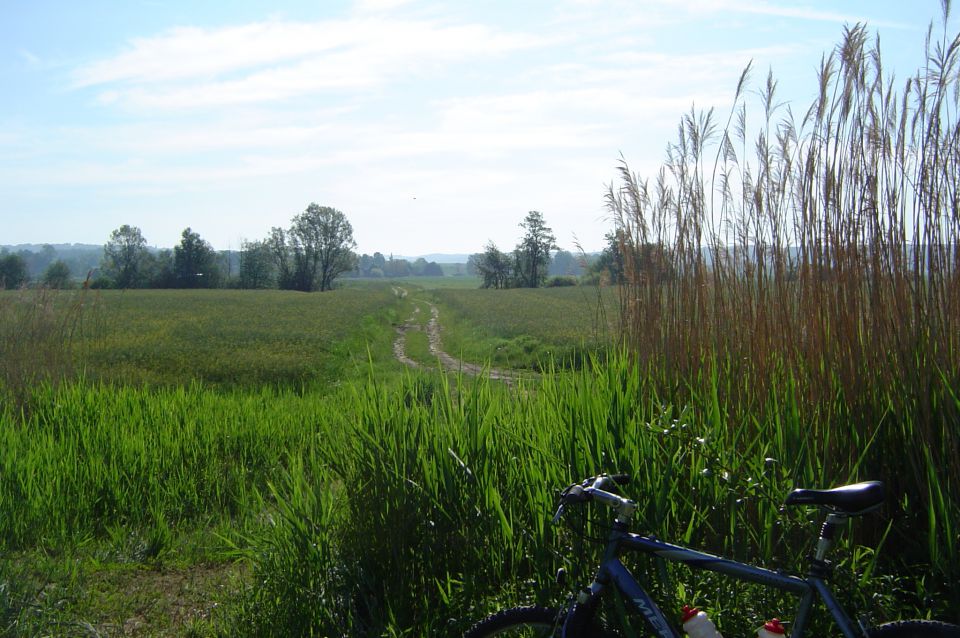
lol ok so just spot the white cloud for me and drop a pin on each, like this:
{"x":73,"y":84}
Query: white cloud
{"x":159,"y":140}
{"x":271,"y":61}
{"x":588,"y":96}
{"x":191,"y":52}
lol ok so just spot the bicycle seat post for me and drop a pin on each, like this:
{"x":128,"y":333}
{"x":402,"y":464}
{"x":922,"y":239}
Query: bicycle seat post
{"x":827,"y":532}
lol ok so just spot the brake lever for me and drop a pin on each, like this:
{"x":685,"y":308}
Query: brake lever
{"x":573,"y":494}
{"x":558,"y":515}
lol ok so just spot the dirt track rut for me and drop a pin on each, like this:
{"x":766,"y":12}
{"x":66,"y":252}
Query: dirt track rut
{"x":447,"y":362}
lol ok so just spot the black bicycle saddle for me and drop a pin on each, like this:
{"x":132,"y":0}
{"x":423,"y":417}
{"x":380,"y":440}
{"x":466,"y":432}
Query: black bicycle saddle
{"x":849,"y":499}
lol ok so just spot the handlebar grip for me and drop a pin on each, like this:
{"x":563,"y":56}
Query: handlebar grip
{"x":576,"y":494}
{"x":610,"y":482}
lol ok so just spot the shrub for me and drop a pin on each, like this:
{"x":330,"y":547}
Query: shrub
{"x":561,"y":280}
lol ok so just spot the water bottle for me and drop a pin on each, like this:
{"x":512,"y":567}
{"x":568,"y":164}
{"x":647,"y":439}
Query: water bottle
{"x":698,"y":625}
{"x":772,"y":629}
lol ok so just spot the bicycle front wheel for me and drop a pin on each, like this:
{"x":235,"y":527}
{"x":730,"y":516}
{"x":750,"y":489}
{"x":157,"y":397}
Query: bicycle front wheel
{"x":915,"y":629}
{"x":525,"y":622}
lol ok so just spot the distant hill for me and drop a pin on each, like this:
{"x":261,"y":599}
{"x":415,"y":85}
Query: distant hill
{"x":79,"y":258}
{"x":440,"y":258}
{"x":36,"y":248}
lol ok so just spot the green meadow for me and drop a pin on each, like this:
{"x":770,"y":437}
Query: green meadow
{"x":529,"y":328}
{"x":168,"y":433}
{"x":227,"y":338}
{"x":327,"y":490}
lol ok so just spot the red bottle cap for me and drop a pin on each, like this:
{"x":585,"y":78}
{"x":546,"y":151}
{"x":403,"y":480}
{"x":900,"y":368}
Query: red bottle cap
{"x":775,"y":627}
{"x":688,"y":613}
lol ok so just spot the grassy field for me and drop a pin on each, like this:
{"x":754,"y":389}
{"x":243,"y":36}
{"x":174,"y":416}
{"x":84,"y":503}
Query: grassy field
{"x":524,"y":328}
{"x":168,"y":456}
{"x":394,"y":507}
{"x":231,"y":338}
{"x":462,"y":282}
{"x":392,"y":503}
{"x":447,"y":281}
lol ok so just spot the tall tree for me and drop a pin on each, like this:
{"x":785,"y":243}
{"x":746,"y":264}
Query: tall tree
{"x":365,"y":265}
{"x":256,"y":265}
{"x":379,"y":264}
{"x":610,"y":264}
{"x":124,"y":255}
{"x":471,"y":266}
{"x":532,"y":255}
{"x":159,"y":270}
{"x":493,"y":266}
{"x":321,"y":243}
{"x":418,"y":267}
{"x":57,"y":275}
{"x":276,"y":244}
{"x":433,"y":269}
{"x":13,"y":271}
{"x":195,"y":262}
{"x":228,"y":263}
{"x":650,"y":263}
{"x":397,"y":268}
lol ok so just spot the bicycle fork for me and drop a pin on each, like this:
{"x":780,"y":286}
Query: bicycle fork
{"x":613,"y":571}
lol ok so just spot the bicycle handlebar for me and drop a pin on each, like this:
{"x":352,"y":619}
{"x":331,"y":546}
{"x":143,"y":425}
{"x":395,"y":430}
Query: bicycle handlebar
{"x":596,"y":488}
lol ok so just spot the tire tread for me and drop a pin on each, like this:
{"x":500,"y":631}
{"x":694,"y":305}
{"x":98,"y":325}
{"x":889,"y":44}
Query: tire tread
{"x":511,"y":617}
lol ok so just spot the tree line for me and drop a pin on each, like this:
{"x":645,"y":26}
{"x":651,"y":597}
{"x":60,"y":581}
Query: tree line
{"x":311,"y":254}
{"x":527,"y":266}
{"x":308,"y":256}
{"x":49,"y":265}
{"x":537,"y":261}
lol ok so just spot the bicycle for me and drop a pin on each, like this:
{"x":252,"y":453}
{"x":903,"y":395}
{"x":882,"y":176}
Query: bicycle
{"x":578,"y":618}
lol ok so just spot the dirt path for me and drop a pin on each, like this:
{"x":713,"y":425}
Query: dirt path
{"x":400,"y":343}
{"x":447,"y":362}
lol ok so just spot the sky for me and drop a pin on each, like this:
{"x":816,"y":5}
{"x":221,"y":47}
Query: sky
{"x":433,"y":126}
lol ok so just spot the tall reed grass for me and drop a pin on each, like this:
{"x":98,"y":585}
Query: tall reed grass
{"x":818,"y":250}
{"x":40,"y":332}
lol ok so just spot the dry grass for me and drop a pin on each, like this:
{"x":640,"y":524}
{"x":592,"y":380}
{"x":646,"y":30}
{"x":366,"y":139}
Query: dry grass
{"x":822,"y":251}
{"x":39,"y":335}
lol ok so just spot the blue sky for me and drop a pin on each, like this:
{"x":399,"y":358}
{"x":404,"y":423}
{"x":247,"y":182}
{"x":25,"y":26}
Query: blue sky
{"x":434,"y":126}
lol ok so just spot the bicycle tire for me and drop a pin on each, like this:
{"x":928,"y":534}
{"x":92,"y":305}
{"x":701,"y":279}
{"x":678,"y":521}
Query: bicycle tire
{"x":915,"y":629}
{"x":532,"y":621}
{"x":519,"y":621}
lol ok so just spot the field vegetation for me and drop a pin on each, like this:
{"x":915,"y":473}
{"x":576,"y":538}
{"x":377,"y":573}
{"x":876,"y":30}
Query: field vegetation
{"x":402,"y":507}
{"x":267,"y":443}
{"x":40,"y":333}
{"x":230,"y":338}
{"x":813,"y":256}
{"x":529,"y":328}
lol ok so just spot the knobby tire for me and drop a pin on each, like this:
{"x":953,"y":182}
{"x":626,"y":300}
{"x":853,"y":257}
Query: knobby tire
{"x":519,"y":621}
{"x":537,"y":621}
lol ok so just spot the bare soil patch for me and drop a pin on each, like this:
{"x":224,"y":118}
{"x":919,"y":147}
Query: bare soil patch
{"x":448,"y":363}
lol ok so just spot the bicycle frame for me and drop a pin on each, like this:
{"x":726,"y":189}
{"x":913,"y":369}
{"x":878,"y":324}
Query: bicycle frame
{"x":612,"y":571}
